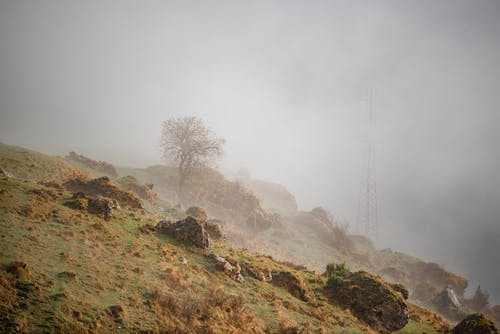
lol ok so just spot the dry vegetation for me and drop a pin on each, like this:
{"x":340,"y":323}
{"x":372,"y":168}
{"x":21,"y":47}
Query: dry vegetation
{"x":64,"y":269}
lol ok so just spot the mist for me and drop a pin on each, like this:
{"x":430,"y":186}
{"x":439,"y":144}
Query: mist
{"x":285,"y":83}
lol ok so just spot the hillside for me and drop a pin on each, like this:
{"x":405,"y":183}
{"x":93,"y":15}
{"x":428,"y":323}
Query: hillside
{"x":312,"y":239}
{"x":82,"y":255}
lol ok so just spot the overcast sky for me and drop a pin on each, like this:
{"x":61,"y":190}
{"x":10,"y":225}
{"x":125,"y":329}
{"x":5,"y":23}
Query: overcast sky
{"x":284,"y":83}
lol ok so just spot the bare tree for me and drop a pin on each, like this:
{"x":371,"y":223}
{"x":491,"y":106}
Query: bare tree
{"x":187,"y":142}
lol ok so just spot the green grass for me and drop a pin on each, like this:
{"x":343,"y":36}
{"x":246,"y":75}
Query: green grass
{"x":114,"y":263}
{"x":414,"y":327}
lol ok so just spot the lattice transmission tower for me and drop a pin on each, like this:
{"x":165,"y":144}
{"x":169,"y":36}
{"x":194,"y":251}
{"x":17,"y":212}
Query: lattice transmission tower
{"x":367,"y":217}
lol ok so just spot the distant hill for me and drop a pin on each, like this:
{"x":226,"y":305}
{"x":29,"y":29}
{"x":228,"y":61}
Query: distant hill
{"x":274,"y":197}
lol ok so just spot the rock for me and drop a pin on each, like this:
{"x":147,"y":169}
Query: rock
{"x":212,"y":227}
{"x":189,"y":230}
{"x":8,"y":173}
{"x":164,"y":226}
{"x":401,"y":289}
{"x":101,"y":206}
{"x":475,"y":324}
{"x":294,"y":284}
{"x":230,"y":267}
{"x":103,"y":187}
{"x":260,"y":220}
{"x":371,"y":300}
{"x":447,"y":299}
{"x":144,"y":191}
{"x":257,"y":274}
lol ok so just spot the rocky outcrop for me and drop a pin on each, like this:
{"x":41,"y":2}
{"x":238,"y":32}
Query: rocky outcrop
{"x":230,"y":267}
{"x":189,"y":230}
{"x":101,"y":206}
{"x":144,"y":191}
{"x":446,"y":299}
{"x":401,"y":289}
{"x":260,"y":220}
{"x":102,"y":187}
{"x":475,"y":324}
{"x":294,"y":284}
{"x":447,"y":303}
{"x":6,"y":172}
{"x":371,"y":300}
{"x":256,"y":273}
{"x":212,"y":226}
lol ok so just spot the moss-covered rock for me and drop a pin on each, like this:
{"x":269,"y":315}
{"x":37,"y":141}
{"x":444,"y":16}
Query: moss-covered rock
{"x":189,"y":230}
{"x":102,"y":186}
{"x":371,"y":300}
{"x":101,"y":206}
{"x":401,"y":289}
{"x":475,"y":323}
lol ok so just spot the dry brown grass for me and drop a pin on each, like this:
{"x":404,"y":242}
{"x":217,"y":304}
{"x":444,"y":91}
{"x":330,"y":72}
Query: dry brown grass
{"x":188,"y":310}
{"x":92,"y":275}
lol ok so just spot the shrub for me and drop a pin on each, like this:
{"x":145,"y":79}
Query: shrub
{"x":336,"y":273}
{"x":340,"y":270}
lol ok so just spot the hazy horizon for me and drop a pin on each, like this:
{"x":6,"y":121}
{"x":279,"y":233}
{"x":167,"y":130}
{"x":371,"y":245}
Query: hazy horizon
{"x":284,"y":84}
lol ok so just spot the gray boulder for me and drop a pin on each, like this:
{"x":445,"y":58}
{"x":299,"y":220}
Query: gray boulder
{"x":189,"y":230}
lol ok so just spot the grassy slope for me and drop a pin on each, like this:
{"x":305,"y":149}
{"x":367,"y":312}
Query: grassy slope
{"x":31,"y":165}
{"x":300,"y":244}
{"x":113,"y":263}
{"x":81,"y":265}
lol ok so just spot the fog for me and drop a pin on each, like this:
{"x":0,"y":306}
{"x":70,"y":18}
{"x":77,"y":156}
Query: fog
{"x":285,"y":83}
